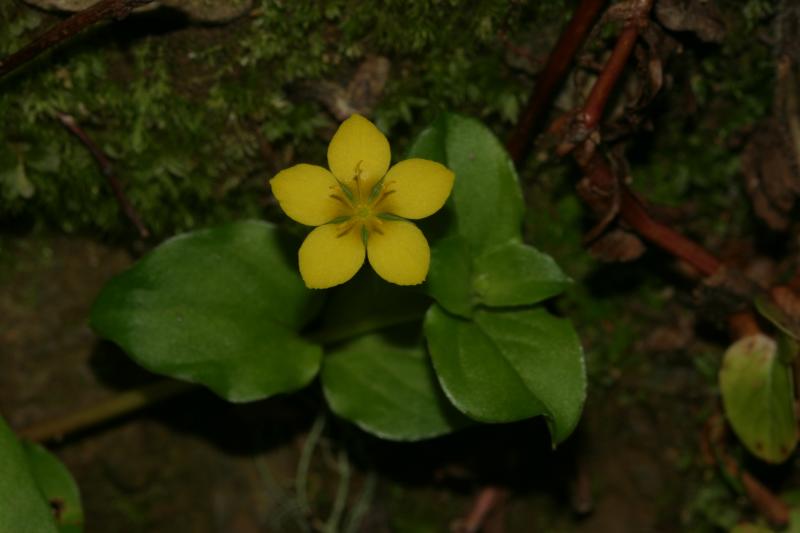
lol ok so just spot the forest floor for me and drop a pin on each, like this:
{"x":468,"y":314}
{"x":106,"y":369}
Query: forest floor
{"x":197,"y":463}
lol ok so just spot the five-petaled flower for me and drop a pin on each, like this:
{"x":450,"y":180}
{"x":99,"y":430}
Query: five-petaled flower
{"x":361,"y":209}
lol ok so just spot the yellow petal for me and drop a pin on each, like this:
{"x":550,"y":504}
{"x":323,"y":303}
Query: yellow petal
{"x":304,"y":193}
{"x":400,"y":254}
{"x":328,"y":258}
{"x":359,"y":146}
{"x":419,"y":188}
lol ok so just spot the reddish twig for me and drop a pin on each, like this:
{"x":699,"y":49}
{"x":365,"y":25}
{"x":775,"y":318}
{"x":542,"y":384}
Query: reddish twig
{"x":485,"y":502}
{"x":105,"y":9}
{"x":665,"y":237}
{"x":763,"y":499}
{"x":603,"y":87}
{"x":583,"y":123}
{"x":107,"y":170}
{"x":557,"y":65}
{"x":598,"y":171}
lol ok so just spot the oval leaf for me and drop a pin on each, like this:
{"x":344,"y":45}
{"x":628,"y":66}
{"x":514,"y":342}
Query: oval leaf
{"x":23,"y":506}
{"x":388,"y":388}
{"x":517,"y":274}
{"x":504,"y":366}
{"x":477,"y":257}
{"x":450,"y":276}
{"x":220,"y":307}
{"x":758,"y":396}
{"x":57,"y":486}
{"x":486,"y":198}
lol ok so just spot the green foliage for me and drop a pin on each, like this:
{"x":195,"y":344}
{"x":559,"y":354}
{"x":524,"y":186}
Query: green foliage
{"x":758,"y":395}
{"x":385,"y":383}
{"x":224,"y":307}
{"x":33,"y":479}
{"x":487,"y":364}
{"x":503,"y":366}
{"x":221,"y":307}
{"x":476,"y":259}
{"x":57,"y":487}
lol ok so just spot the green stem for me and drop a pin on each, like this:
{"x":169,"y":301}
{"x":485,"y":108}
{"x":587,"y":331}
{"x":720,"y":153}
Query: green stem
{"x":301,"y":479}
{"x":332,"y":526}
{"x":122,"y":404}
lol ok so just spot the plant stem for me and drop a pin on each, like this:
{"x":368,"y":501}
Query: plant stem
{"x":550,"y":78}
{"x":105,"y":9}
{"x":342,"y":490}
{"x":604,"y":86}
{"x":122,"y":404}
{"x":303,"y":466}
{"x":107,"y":169}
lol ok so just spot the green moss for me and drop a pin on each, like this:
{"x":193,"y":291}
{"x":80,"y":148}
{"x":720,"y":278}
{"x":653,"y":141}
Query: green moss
{"x":197,"y":118}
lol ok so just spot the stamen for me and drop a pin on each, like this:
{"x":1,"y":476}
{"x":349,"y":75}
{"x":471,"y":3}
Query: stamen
{"x":376,"y":226}
{"x":346,"y":230}
{"x":339,"y":199}
{"x":376,"y":189}
{"x":389,"y":216}
{"x":346,"y":190}
{"x":382,"y":198}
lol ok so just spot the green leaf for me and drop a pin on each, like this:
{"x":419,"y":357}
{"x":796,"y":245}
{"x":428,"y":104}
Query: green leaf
{"x":486,"y":199}
{"x":478,"y":257}
{"x":23,"y":506}
{"x":517,"y":274}
{"x":220,"y":307}
{"x":450,"y":276}
{"x":509,"y":365}
{"x":758,"y":397}
{"x":57,"y":486}
{"x":386,"y":385}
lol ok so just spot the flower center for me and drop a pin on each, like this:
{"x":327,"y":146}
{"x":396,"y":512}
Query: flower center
{"x":363,"y":211}
{"x":361,"y":207}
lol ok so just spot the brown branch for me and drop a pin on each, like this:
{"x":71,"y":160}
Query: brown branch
{"x":105,"y":9}
{"x":598,"y":171}
{"x":575,"y":128}
{"x":107,"y":169}
{"x":604,"y":86}
{"x":486,"y":501}
{"x":550,"y":78}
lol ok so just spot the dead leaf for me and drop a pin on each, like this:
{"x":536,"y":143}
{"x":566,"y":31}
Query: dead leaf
{"x":362,"y":93}
{"x":701,"y":17}
{"x":770,"y":177}
{"x":617,"y":246}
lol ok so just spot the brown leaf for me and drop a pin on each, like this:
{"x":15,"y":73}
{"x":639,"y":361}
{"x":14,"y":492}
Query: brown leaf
{"x":362,"y":93}
{"x":617,"y":246}
{"x":700,"y":17}
{"x":770,"y":177}
{"x":788,"y":301}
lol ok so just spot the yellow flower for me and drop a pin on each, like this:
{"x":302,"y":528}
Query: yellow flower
{"x":361,"y":209}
